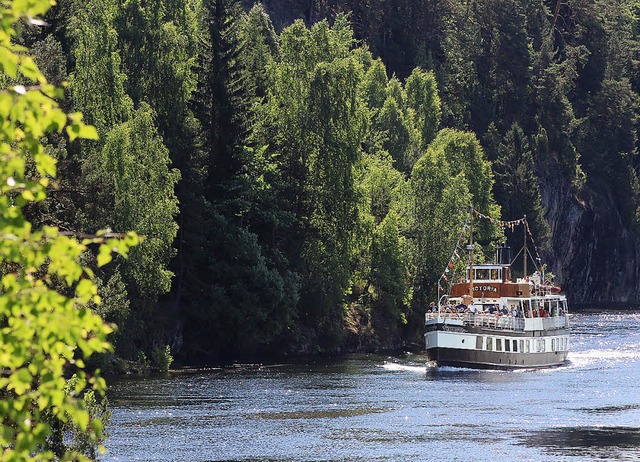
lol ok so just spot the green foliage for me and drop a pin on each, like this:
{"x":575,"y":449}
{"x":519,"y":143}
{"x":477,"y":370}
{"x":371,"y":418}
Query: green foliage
{"x":312,"y":163}
{"x":423,"y":98}
{"x":261,"y":47}
{"x":389,"y":276}
{"x":516,"y":186}
{"x":374,"y":85}
{"x":435,"y":207}
{"x":97,"y":83}
{"x":248,"y":302}
{"x":320,"y":121}
{"x":157,"y":46}
{"x":465,"y":155}
{"x":135,"y":169}
{"x":399,"y":138}
{"x":70,"y":437}
{"x":161,"y":358}
{"x":47,"y":329}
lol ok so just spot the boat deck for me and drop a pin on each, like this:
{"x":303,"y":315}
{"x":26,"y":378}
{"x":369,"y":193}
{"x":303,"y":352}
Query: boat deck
{"x":495,"y":321}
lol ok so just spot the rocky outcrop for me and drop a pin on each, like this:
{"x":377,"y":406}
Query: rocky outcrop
{"x":596,"y":258}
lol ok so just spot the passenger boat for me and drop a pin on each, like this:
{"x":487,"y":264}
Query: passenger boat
{"x":488,"y":320}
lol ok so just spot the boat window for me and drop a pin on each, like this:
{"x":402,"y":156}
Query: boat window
{"x":553,"y":344}
{"x":489,"y":343}
{"x":527,"y":348}
{"x":495,"y":274}
{"x":507,"y":344}
{"x":515,"y":345}
{"x":540,"y":345}
{"x":521,"y":345}
{"x":498,"y":344}
{"x":479,"y":342}
{"x":482,"y":274}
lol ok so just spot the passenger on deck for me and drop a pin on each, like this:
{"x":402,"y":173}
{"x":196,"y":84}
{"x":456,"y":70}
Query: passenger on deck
{"x":492,"y":309}
{"x":514,"y":312}
{"x":432,"y":307}
{"x":504,"y":310}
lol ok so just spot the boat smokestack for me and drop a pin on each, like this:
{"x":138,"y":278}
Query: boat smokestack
{"x":504,"y":255}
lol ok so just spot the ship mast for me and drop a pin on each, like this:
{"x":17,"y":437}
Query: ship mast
{"x":470,"y":248}
{"x":525,"y":247}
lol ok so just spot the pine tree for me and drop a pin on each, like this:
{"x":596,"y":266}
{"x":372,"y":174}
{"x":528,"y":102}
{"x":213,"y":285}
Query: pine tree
{"x":516,"y":188}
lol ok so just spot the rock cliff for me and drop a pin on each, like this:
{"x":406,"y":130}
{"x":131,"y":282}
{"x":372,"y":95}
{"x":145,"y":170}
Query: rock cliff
{"x":594,"y":256}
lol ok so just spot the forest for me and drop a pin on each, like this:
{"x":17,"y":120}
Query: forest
{"x":299,"y":171}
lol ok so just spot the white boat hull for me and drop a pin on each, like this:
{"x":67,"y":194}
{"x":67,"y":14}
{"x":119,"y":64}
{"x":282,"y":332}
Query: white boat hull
{"x":451,"y":345}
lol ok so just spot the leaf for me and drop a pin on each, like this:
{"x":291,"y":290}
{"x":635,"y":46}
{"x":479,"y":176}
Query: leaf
{"x":29,"y":69}
{"x":88,"y":132}
{"x":9,"y":62}
{"x":104,"y":255}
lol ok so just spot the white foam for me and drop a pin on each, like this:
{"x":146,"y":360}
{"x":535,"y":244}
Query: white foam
{"x":595,"y":357}
{"x":404,"y":367}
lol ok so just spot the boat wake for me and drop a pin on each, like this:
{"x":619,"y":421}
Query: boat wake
{"x":591,"y":358}
{"x":391,"y":366}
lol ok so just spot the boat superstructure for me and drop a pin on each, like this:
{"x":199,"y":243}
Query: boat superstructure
{"x":489,"y":320}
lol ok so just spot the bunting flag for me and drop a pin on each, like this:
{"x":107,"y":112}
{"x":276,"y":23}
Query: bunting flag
{"x":533,"y":242}
{"x":462,"y":238}
{"x":507,"y":224}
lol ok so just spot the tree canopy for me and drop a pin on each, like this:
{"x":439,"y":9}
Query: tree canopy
{"x":299,"y":170}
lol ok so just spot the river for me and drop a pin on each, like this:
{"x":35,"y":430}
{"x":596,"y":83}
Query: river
{"x":380,"y":408}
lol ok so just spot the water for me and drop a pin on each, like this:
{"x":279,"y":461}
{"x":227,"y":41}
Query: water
{"x":376,"y":408}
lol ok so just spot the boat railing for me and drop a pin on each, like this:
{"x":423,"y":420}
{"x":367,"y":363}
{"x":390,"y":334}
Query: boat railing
{"x":495,"y":321}
{"x":555,"y":322}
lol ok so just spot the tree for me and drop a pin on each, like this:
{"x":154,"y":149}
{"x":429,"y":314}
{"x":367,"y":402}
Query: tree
{"x":223,"y":103}
{"x":423,"y":98}
{"x":436,"y":204}
{"x":465,"y":155}
{"x":554,"y":79}
{"x":516,"y":187}
{"x":374,"y":86}
{"x":337,"y":132}
{"x":261,"y":45}
{"x":97,"y":82}
{"x":135,"y":170}
{"x":398,"y":135}
{"x":47,"y":330}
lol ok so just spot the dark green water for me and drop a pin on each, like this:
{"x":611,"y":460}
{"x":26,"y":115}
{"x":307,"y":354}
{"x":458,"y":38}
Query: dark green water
{"x":362,"y":408}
